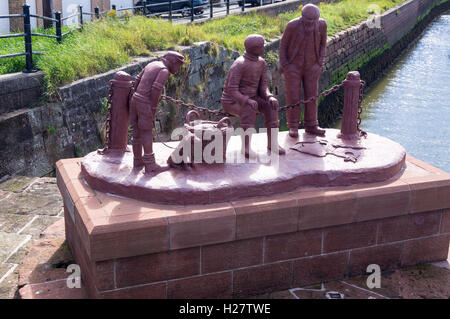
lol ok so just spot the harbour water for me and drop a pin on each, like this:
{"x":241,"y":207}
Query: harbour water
{"x":410,"y":104}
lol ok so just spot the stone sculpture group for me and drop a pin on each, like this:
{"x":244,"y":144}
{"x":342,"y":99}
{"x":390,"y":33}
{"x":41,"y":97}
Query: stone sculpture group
{"x":245,"y":94}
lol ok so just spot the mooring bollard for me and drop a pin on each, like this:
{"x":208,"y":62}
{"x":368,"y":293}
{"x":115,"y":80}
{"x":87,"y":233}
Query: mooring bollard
{"x":118,"y":131}
{"x":349,"y":126}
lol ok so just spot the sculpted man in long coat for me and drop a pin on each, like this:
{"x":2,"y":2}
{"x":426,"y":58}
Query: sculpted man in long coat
{"x":302,"y":55}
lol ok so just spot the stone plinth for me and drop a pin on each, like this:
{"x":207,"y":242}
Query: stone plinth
{"x":378,"y":159}
{"x":135,"y":249}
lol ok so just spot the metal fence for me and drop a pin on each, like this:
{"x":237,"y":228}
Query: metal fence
{"x":149,"y":10}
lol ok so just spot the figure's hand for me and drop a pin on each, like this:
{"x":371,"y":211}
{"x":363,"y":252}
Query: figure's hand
{"x":253,"y":104}
{"x":317,"y":69}
{"x":273,"y":103}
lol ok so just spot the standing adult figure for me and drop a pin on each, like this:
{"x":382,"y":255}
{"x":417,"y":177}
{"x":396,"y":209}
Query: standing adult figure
{"x":302,"y":55}
{"x":144,"y":102}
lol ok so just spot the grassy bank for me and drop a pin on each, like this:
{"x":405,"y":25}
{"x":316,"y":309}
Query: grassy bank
{"x":109,"y":43}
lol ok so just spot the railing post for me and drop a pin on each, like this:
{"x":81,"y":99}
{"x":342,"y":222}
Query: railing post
{"x":80,"y":12}
{"x":349,"y":125}
{"x":192,"y":10}
{"x":58,"y":26}
{"x":28,"y":44}
{"x":243,"y":5}
{"x":170,"y":10}
{"x":97,"y":12}
{"x":211,"y":9}
{"x":146,"y":9}
{"x":228,"y":7}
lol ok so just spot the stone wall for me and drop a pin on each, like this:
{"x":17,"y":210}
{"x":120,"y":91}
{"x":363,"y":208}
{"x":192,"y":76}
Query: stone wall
{"x":37,"y":135}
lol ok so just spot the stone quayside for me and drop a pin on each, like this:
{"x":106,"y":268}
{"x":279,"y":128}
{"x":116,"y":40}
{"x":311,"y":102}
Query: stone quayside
{"x":380,"y":160}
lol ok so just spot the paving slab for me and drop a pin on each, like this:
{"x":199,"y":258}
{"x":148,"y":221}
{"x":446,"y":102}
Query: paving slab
{"x":39,"y":224}
{"x":13,"y":223}
{"x":17,"y":184}
{"x":46,"y":260}
{"x":10,"y":242}
{"x":8,"y":287}
{"x":40,"y":198}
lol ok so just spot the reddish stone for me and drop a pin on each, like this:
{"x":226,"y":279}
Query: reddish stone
{"x":410,"y":226}
{"x":97,"y":276}
{"x":78,"y":188}
{"x":326,"y":209}
{"x":429,"y":193}
{"x":232,"y":255}
{"x":386,"y":200}
{"x":293,"y":245}
{"x":52,"y":290}
{"x":207,"y":286}
{"x":210,"y":225}
{"x":349,"y":236}
{"x":151,"y":291}
{"x":317,"y":269}
{"x":257,"y":218}
{"x":114,"y":237}
{"x":386,"y":256}
{"x":425,"y":250}
{"x":157,"y":267}
{"x":445,"y":228}
{"x":261,"y":279}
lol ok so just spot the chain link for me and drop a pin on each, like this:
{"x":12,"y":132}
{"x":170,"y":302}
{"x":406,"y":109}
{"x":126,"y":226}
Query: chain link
{"x":361,"y":94}
{"x":209,"y":113}
{"x":108,"y":120}
{"x":206,"y":111}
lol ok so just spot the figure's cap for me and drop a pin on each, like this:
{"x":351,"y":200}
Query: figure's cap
{"x":310,"y":12}
{"x":173,"y":56}
{"x":253,"y":40}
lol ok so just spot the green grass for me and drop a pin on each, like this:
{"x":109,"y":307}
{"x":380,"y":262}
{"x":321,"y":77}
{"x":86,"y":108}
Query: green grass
{"x":109,"y":43}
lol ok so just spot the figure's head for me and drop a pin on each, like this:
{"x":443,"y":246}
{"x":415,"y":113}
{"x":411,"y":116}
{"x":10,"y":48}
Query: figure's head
{"x":254,"y":44}
{"x":310,"y":14}
{"x":173,"y":61}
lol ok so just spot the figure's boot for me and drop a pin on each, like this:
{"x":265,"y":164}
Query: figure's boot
{"x":149,"y":163}
{"x":137,"y":154}
{"x":315,"y":130}
{"x":293,"y":132}
{"x":281,"y":150}
{"x":311,"y":123}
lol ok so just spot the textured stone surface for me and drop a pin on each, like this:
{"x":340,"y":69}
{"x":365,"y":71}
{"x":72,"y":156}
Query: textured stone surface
{"x":28,"y":207}
{"x":381,"y":160}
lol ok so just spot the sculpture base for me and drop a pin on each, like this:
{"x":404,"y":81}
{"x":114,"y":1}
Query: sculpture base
{"x":134,"y":249}
{"x":336,"y":162}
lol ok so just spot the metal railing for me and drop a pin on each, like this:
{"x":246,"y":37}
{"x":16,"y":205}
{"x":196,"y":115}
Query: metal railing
{"x":28,"y":34}
{"x":147,"y":9}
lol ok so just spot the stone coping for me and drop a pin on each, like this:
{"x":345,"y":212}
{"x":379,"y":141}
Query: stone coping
{"x":115,"y":227}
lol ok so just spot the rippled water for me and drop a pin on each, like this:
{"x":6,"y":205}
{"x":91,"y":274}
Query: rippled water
{"x":411,"y":103}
